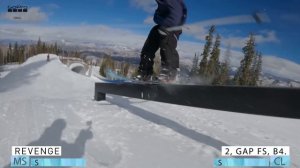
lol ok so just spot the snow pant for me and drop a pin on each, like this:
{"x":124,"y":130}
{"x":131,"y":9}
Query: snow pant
{"x":167,"y":42}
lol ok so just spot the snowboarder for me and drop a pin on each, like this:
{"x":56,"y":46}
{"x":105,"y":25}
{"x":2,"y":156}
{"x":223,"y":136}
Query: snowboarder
{"x":169,"y":16}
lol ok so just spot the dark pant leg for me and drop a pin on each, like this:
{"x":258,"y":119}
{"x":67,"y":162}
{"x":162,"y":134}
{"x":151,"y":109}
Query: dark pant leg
{"x":168,"y":52}
{"x":148,"y":52}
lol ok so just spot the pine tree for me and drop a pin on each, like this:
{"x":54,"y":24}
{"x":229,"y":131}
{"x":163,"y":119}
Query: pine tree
{"x":1,"y":57}
{"x":256,"y":69}
{"x":39,"y":46}
{"x":15,"y":54}
{"x":7,"y":57}
{"x":9,"y":53}
{"x":1,"y":60}
{"x":4,"y":57}
{"x":26,"y":52}
{"x":77,"y":54}
{"x":228,"y":54}
{"x":194,"y":70}
{"x":125,"y":68}
{"x":21,"y":54}
{"x":213,"y":66}
{"x":44,"y":48}
{"x":243,"y":75}
{"x":224,"y":78}
{"x":107,"y":63}
{"x":55,"y":49}
{"x":32,"y":50}
{"x":206,"y":51}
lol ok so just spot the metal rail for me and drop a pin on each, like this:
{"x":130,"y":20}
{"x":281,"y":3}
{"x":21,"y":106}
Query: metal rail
{"x":280,"y":102}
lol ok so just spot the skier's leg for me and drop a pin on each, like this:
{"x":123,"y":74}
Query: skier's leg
{"x":164,"y":35}
{"x":169,"y":54}
{"x":148,"y":52}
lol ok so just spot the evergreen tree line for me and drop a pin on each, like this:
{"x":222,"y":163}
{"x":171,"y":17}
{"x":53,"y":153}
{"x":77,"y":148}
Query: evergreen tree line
{"x":218,"y":73}
{"x":126,"y":69}
{"x":15,"y":53}
{"x":41,"y":47}
{"x":19,"y":53}
{"x":121,"y":68}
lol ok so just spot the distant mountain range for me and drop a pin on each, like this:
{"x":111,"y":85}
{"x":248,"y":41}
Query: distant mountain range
{"x":271,"y":80}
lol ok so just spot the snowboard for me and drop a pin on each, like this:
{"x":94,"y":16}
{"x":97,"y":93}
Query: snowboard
{"x":113,"y":77}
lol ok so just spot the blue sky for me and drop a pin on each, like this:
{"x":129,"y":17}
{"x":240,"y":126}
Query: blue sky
{"x":279,"y":37}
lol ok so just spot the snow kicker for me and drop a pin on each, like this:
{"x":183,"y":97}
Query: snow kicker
{"x":280,"y":102}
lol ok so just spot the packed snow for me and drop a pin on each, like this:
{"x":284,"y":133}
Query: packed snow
{"x":45,"y":103}
{"x":6,"y":69}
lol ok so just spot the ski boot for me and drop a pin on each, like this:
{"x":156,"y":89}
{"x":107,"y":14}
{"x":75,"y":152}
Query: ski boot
{"x":168,"y":77}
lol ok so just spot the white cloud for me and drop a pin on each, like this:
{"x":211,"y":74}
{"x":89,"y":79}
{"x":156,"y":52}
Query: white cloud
{"x":34,"y":14}
{"x":281,"y":67}
{"x":200,"y":29}
{"x":147,"y":5}
{"x":267,"y":36}
{"x":149,"y":20}
{"x":240,"y":19}
{"x":235,"y":42}
{"x":93,"y":33}
{"x":230,"y":20}
{"x":263,"y":37}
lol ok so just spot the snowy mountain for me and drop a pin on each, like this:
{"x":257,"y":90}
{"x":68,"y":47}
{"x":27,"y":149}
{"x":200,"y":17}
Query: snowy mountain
{"x":44,"y":103}
{"x":270,"y":80}
{"x":275,"y":81}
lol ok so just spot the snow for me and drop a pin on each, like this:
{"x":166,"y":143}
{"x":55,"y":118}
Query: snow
{"x":6,"y":69}
{"x":45,"y":103}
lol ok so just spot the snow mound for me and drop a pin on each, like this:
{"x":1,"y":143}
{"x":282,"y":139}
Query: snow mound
{"x":37,"y":77}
